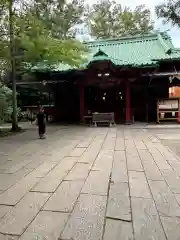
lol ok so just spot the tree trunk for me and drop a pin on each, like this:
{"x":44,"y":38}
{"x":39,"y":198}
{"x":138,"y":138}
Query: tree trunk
{"x":13,"y":73}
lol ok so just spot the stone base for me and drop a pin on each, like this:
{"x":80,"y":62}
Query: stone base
{"x":129,"y":122}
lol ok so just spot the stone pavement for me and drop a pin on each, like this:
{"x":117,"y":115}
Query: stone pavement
{"x":89,"y":184}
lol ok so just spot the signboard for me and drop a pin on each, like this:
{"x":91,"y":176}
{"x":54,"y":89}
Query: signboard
{"x":168,"y":104}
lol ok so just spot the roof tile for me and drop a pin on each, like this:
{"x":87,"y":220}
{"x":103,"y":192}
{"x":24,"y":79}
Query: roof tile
{"x":141,"y":50}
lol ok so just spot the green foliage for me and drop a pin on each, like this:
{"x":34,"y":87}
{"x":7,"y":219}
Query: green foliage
{"x":37,"y":35}
{"x":9,"y":112}
{"x":6,"y":108}
{"x":5,"y":101}
{"x":59,"y":16}
{"x":169,"y":11}
{"x":108,"y":19}
{"x":38,"y":45}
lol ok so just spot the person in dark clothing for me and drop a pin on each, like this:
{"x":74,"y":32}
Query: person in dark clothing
{"x":41,"y":123}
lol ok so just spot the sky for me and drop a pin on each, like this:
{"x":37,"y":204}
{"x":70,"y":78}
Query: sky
{"x":174,"y":33}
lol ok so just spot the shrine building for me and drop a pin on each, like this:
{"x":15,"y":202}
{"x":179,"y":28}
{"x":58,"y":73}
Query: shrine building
{"x":126,"y":76}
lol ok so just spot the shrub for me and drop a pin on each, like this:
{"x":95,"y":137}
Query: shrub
{"x":5,"y":101}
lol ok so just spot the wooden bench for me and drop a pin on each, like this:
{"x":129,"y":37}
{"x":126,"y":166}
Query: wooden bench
{"x":107,"y":118}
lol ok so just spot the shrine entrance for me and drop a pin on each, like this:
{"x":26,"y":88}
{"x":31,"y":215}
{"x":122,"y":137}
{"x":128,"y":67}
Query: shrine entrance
{"x":106,"y":99}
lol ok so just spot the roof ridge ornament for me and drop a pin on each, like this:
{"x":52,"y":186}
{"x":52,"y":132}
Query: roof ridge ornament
{"x":100,"y":53}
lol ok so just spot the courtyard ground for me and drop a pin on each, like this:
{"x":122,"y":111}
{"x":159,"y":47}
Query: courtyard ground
{"x":84,"y":183}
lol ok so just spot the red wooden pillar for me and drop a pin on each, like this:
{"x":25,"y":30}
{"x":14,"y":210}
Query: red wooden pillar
{"x":128,"y":102}
{"x":81,"y":97}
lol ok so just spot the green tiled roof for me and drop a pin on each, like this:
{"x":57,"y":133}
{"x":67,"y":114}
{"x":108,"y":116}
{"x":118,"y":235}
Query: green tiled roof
{"x":137,"y":51}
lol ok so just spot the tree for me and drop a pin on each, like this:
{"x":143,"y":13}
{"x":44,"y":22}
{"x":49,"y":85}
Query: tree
{"x":28,"y":39}
{"x":109,"y":19}
{"x":169,"y":11}
{"x":60,"y":16}
{"x":12,"y":65}
{"x":36,"y":44}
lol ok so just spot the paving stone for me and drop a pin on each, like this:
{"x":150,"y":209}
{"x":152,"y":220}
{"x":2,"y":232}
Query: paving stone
{"x":131,"y":150}
{"x":96,"y":183}
{"x":85,"y":142}
{"x":161,"y":161}
{"x":143,"y":206}
{"x":152,"y":149}
{"x":134,"y":163}
{"x":13,"y":195}
{"x":77,"y":152}
{"x":151,"y":170}
{"x":109,"y":143}
{"x":151,"y":146}
{"x":49,"y":183}
{"x":8,"y":237}
{"x":172,"y":179}
{"x":116,"y":230}
{"x":34,"y":164}
{"x":79,"y":171}
{"x":129,"y":143}
{"x":8,"y":180}
{"x":7,"y":165}
{"x":54,"y":178}
{"x":119,"y":146}
{"x":89,"y":156}
{"x":64,"y":198}
{"x":100,"y":144}
{"x":118,"y":206}
{"x":4,"y":209}
{"x":44,"y":168}
{"x":130,"y":147}
{"x":13,"y":166}
{"x":164,"y":199}
{"x":175,"y":165}
{"x":64,"y":149}
{"x":26,"y":150}
{"x":172,"y":227}
{"x":146,"y":156}
{"x":120,"y":155}
{"x":146,"y":220}
{"x":105,"y":159}
{"x":47,"y":225}
{"x":16,"y":221}
{"x":3,"y":161}
{"x":177,"y":196}
{"x":166,"y":153}
{"x":91,"y":153}
{"x":119,"y":170}
{"x":66,"y":164}
{"x":138,"y":185}
{"x":140,"y":144}
{"x":87,"y":219}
